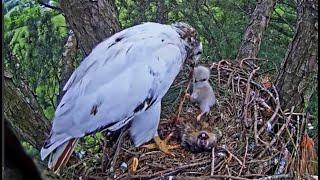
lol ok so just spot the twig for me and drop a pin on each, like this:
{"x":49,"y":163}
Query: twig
{"x":297,"y":144}
{"x":281,"y":176}
{"x":246,"y":101}
{"x":277,"y":135}
{"x":248,"y":63}
{"x":255,"y":128}
{"x":263,"y":103}
{"x":212,"y":162}
{"x":244,"y":157}
{"x":129,"y":152}
{"x":232,"y":155}
{"x":291,"y":139}
{"x":254,"y":175}
{"x":262,"y":160}
{"x":209,"y":177}
{"x":219,"y":74}
{"x":274,"y":113}
{"x":170,"y":171}
{"x":299,"y":114}
{"x":123,"y":133}
{"x":238,"y":85}
{"x":183,"y":99}
{"x":104,"y":155}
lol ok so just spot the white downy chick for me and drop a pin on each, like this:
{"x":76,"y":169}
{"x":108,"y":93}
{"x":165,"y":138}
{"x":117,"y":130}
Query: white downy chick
{"x":202,"y":91}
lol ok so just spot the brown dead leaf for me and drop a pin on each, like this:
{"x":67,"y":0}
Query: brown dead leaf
{"x":308,"y":156}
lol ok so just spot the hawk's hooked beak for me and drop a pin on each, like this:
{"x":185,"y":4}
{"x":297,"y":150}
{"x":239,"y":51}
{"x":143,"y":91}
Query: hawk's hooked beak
{"x":197,"y":54}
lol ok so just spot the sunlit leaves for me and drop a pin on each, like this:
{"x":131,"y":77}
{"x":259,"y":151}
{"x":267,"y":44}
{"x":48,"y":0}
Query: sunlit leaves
{"x":34,"y":39}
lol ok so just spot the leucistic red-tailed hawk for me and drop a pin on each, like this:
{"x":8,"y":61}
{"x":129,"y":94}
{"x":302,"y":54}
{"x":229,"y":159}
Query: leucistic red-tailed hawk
{"x":122,"y":80}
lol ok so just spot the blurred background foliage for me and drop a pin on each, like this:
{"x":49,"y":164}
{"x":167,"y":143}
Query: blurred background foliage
{"x":34,"y":36}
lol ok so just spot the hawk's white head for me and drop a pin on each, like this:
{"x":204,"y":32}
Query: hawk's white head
{"x":190,"y":36}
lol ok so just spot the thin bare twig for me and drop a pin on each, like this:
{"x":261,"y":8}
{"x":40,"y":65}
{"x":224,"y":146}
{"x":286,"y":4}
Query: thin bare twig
{"x":274,"y":177}
{"x":255,"y":128}
{"x":123,"y":133}
{"x":170,"y":171}
{"x":183,"y":99}
{"x":246,"y":101}
{"x":274,"y":113}
{"x":232,"y":155}
{"x":212,"y":162}
{"x":244,"y":157}
{"x":209,"y":177}
{"x":277,"y":135}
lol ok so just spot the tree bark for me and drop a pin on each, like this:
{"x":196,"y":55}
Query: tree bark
{"x":23,"y":113}
{"x":67,"y":63}
{"x":91,"y":21}
{"x":251,"y":41}
{"x":297,"y":79}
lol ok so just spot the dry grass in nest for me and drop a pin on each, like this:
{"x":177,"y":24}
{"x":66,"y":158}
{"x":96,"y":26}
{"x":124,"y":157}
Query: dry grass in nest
{"x":260,"y":140}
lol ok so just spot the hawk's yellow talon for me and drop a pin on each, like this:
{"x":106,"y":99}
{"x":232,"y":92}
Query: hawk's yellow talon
{"x":162,"y":145}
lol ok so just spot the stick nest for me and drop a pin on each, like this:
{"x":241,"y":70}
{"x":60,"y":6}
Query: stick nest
{"x":260,"y":140}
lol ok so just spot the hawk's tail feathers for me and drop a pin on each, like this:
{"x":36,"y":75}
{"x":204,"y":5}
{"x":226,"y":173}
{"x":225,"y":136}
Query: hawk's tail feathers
{"x":60,"y":156}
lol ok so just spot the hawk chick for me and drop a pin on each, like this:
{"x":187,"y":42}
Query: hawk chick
{"x":202,"y":91}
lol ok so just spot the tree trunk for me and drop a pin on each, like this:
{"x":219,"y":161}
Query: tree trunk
{"x":67,"y":63}
{"x":91,"y":21}
{"x":23,"y":113}
{"x":251,"y":41}
{"x":297,"y":78}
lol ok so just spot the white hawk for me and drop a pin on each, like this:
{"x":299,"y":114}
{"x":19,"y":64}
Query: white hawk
{"x":122,"y":80}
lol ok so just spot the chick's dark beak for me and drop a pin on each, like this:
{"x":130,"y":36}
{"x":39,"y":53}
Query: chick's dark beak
{"x":203,"y":140}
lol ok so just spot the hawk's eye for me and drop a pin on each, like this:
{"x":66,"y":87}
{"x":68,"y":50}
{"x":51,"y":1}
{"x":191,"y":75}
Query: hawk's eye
{"x":199,"y":53}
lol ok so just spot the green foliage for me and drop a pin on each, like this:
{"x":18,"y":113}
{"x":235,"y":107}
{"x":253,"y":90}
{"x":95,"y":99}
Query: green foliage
{"x":279,"y":33}
{"x":33,"y":41}
{"x":91,"y":143}
{"x":30,"y":150}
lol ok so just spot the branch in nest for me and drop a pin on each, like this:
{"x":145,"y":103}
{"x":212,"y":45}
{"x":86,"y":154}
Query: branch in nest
{"x":212,"y":162}
{"x":123,"y":133}
{"x":274,"y":177}
{"x":181,"y":102}
{"x":255,"y":128}
{"x":270,"y":121}
{"x":246,"y":101}
{"x":250,"y":64}
{"x":170,"y":171}
{"x":184,"y":97}
{"x":244,"y":157}
{"x":209,"y":177}
{"x":232,"y":155}
{"x":277,"y":135}
{"x":263,"y":103}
